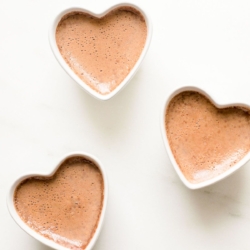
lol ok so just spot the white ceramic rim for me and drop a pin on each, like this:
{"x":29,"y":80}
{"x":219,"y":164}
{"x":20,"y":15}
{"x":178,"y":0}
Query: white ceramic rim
{"x":37,"y":236}
{"x":65,"y":66}
{"x":215,"y":101}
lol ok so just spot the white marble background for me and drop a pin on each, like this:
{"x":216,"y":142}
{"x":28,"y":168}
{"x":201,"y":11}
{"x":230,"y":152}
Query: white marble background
{"x":44,"y":114}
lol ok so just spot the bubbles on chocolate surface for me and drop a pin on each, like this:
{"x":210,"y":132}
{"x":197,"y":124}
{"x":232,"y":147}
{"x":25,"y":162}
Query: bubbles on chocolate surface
{"x":206,"y":141}
{"x":65,"y":207}
{"x":103,"y":51}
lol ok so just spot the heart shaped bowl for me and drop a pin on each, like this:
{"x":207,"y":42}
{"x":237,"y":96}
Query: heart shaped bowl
{"x":214,"y":100}
{"x":66,"y":67}
{"x":36,"y":235}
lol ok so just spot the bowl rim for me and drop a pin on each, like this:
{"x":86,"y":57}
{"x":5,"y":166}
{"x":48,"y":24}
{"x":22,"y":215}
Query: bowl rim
{"x":36,"y":235}
{"x":70,"y":72}
{"x":214,"y":99}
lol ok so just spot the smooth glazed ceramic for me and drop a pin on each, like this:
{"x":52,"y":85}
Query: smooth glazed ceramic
{"x":46,"y":241}
{"x":66,"y":67}
{"x":215,"y":101}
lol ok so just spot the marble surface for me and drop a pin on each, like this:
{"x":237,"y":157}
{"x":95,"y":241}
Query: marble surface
{"x":44,"y":114}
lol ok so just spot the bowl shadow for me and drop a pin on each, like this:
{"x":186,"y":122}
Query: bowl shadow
{"x":220,"y":201}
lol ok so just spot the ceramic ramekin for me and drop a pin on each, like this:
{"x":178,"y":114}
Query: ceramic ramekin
{"x":30,"y":231}
{"x":65,"y":66}
{"x":214,"y":100}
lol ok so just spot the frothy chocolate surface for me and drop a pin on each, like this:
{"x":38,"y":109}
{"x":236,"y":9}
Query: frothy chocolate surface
{"x":65,"y":208}
{"x":102,"y":51}
{"x":206,"y":141}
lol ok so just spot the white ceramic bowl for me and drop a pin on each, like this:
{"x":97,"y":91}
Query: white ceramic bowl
{"x":27,"y":229}
{"x":98,"y":15}
{"x":215,"y":100}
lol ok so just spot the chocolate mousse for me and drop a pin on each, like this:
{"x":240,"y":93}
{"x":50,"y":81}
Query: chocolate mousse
{"x":205,"y":140}
{"x":66,"y":207}
{"x":102,"y":51}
